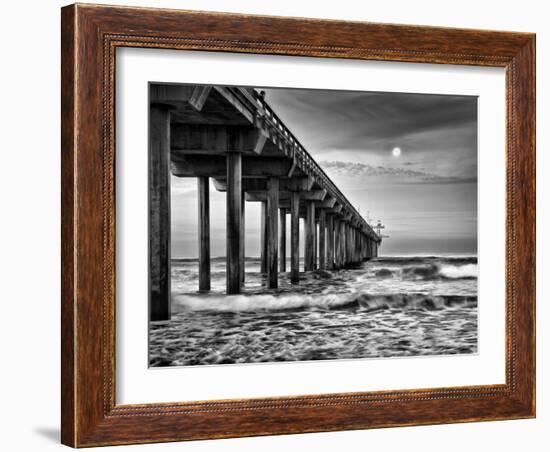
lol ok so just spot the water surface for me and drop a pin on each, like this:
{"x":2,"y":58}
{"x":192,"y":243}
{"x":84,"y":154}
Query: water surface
{"x":387,"y":307}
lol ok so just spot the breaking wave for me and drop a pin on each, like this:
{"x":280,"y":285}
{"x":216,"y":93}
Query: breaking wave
{"x":409,"y":260}
{"x":264,"y":302}
{"x":238,"y":303}
{"x":440,"y":271}
{"x":414,"y":301}
{"x":459,"y":272}
{"x":430,"y":272}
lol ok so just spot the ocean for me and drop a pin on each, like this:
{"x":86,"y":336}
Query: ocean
{"x":386,"y":307}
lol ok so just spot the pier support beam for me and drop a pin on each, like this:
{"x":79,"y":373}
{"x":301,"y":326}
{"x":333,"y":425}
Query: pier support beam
{"x":310,"y":235}
{"x":243,"y":251}
{"x":359,"y":245}
{"x":322,"y":237}
{"x":354,"y":245}
{"x":338,"y":235}
{"x":263,"y":239}
{"x":336,"y":228}
{"x":330,"y":242}
{"x":359,"y":235}
{"x":272,"y":231}
{"x":203,"y":189}
{"x":346,"y":233}
{"x":372,"y":249}
{"x":159,"y":214}
{"x":348,"y":244}
{"x":315,"y":245}
{"x":343,"y":242}
{"x":282,"y":240}
{"x":337,"y":241}
{"x":369,"y":247}
{"x":234,"y":219}
{"x":294,"y":237}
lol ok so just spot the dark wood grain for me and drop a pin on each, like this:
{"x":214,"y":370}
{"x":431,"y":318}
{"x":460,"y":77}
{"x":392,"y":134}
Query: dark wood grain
{"x":90,"y":36}
{"x":68,"y":312}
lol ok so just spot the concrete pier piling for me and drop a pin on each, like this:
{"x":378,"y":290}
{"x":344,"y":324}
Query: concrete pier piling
{"x":282,"y":240}
{"x":159,"y":213}
{"x":203,"y":191}
{"x":233,"y":225}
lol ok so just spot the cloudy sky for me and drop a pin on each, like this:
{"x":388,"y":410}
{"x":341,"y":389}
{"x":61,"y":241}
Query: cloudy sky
{"x":409,"y":160}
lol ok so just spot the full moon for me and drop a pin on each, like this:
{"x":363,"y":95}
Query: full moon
{"x":396,"y":152}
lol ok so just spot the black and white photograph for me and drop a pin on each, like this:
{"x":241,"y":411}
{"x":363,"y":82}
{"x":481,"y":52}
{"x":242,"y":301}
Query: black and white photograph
{"x":292,"y":225}
{"x":235,"y":225}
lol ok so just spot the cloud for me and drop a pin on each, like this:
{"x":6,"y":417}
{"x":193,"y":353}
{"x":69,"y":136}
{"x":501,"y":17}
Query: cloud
{"x":376,"y":118}
{"x":350,"y":169}
{"x":437,"y":132}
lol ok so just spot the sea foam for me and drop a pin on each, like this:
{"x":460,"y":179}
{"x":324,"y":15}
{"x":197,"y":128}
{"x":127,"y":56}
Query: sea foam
{"x":261,"y":302}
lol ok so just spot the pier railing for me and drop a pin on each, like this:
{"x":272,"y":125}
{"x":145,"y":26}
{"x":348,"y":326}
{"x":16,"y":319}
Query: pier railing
{"x":292,"y":147}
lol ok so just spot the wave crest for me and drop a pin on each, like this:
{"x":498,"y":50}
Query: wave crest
{"x":458,"y":271}
{"x":260,"y":302}
{"x":414,"y":301}
{"x":243,"y":303}
{"x":440,"y":271}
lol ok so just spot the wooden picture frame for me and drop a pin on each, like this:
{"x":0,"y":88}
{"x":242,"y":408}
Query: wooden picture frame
{"x":90,"y":36}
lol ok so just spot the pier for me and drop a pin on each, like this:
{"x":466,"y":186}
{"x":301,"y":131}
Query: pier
{"x":231,"y":138}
